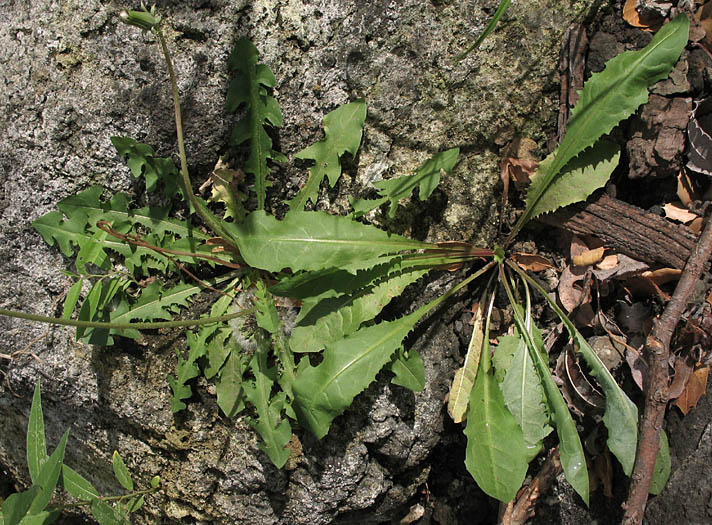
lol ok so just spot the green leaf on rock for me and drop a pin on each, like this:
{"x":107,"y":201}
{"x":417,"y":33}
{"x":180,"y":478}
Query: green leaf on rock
{"x":343,"y":129}
{"x":121,"y":472}
{"x":249,"y":89}
{"x":36,"y":445}
{"x":426,"y":179}
{"x":409,"y":370}
{"x":77,"y":485}
{"x":349,"y":365}
{"x":274,"y":429}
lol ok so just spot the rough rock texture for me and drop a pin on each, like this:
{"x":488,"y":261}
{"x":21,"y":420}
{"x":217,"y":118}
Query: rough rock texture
{"x":73,"y":76}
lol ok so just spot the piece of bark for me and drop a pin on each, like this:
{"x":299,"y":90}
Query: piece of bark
{"x":627,"y":229}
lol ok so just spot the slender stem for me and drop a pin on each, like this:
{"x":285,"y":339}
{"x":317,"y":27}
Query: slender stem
{"x":83,"y":503}
{"x":125,"y":326}
{"x":212,"y":222}
{"x":425,"y":308}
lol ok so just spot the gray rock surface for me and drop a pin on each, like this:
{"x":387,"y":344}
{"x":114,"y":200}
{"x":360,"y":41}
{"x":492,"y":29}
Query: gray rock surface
{"x":72,"y":76}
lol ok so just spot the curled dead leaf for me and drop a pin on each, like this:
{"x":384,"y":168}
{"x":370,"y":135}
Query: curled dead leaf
{"x":634,"y":18}
{"x":686,"y":190}
{"x":531,"y":262}
{"x":663,"y":275}
{"x":677,"y":212}
{"x":696,"y":388}
{"x":589,"y":257}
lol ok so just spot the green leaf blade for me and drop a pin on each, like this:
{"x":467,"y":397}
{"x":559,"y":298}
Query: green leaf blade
{"x":121,"y":472}
{"x":323,"y":392}
{"x":343,"y":129}
{"x":582,"y":176}
{"x":77,"y":485}
{"x":326,"y":322}
{"x":524,"y":396}
{"x":426,"y":179}
{"x":611,"y":96}
{"x":312,"y":241}
{"x":661,"y":472}
{"x":49,"y":476}
{"x":409,"y":370}
{"x":496,"y":452}
{"x":274,"y":429}
{"x":36,"y":444}
{"x":248,"y":88}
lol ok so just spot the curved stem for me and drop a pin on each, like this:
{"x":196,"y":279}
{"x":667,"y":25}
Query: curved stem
{"x":212,"y":222}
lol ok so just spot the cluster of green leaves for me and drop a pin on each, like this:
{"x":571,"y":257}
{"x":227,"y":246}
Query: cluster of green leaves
{"x":48,"y":472}
{"x":514,"y":404}
{"x":343,"y":272}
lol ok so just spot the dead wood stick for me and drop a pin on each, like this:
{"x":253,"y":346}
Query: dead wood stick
{"x":523,"y":510}
{"x":627,"y":229}
{"x":657,"y":350}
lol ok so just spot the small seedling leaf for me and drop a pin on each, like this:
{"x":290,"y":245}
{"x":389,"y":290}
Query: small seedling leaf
{"x":121,"y":472}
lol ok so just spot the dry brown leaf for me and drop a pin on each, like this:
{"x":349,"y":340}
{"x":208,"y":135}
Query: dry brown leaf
{"x":588,"y":257}
{"x":709,"y":299}
{"x":686,"y":191}
{"x":631,"y":15}
{"x":704,"y":15}
{"x":531,"y":262}
{"x":608,"y":262}
{"x":603,"y":468}
{"x":578,"y":246}
{"x":696,"y":225}
{"x":639,"y":286}
{"x":663,"y":275}
{"x":696,"y":387}
{"x":677,"y":212}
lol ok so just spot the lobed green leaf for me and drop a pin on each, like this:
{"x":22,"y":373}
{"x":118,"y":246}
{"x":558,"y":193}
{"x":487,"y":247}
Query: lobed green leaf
{"x":248,"y":89}
{"x":274,"y":429}
{"x":343,"y":129}
{"x":426,"y":179}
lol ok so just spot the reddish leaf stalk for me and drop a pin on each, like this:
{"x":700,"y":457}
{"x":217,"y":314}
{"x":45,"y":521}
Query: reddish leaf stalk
{"x":657,"y":348}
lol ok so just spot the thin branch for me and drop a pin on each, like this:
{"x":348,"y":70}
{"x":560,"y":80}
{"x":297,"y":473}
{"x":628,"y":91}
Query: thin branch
{"x":657,"y":347}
